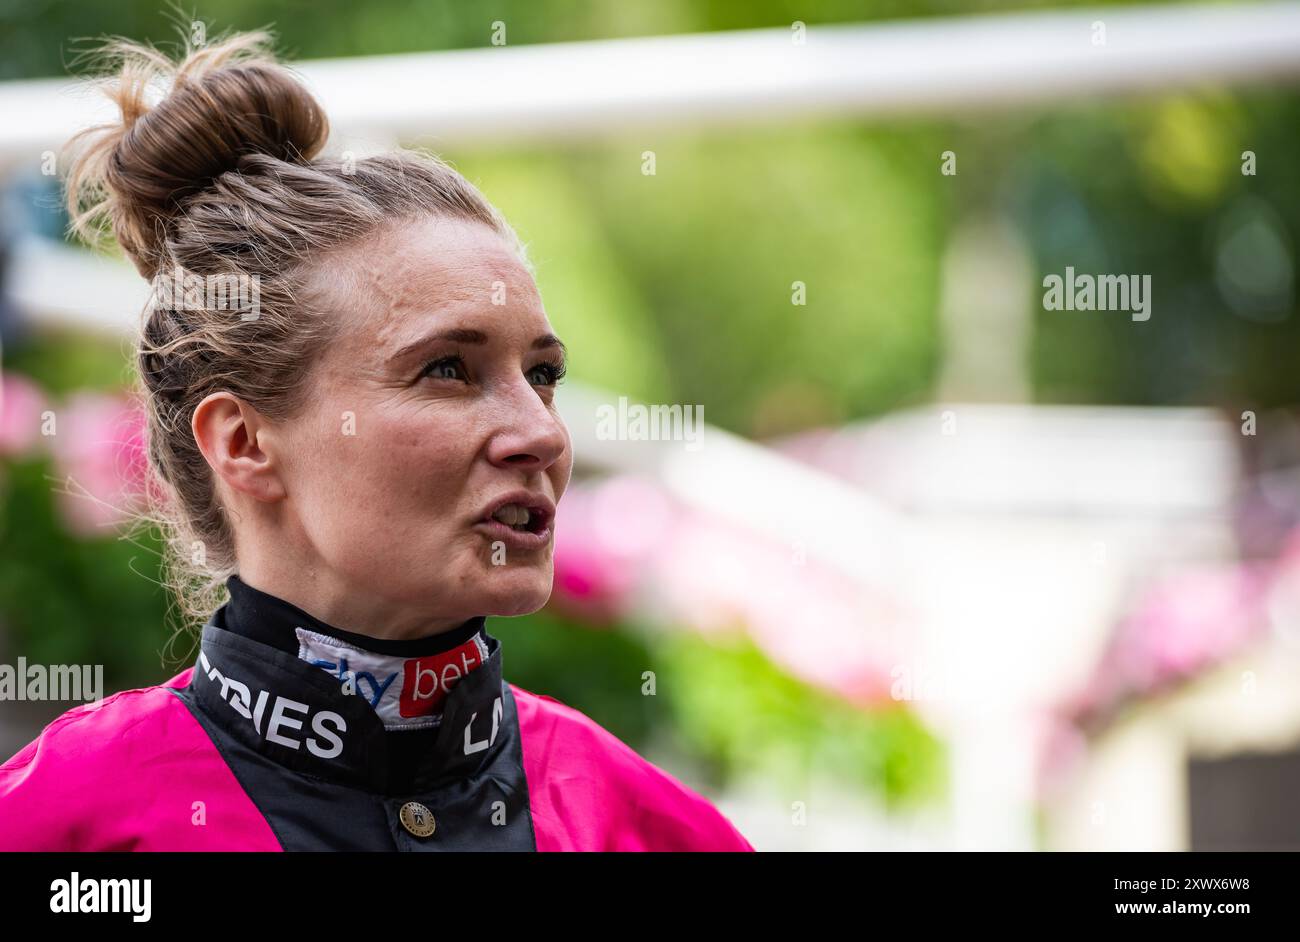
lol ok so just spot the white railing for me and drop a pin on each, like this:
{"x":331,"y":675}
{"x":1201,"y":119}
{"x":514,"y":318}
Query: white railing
{"x":583,"y":89}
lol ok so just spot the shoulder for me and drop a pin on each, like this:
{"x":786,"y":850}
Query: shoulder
{"x":83,"y":764}
{"x":87,"y":731}
{"x":591,"y":791}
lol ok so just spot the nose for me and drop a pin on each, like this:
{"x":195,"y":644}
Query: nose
{"x":531,"y":436}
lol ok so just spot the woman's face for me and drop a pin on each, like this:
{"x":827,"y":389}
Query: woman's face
{"x":434,"y":405}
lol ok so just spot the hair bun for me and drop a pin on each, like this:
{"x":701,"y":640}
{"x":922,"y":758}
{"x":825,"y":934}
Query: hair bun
{"x":224,"y":102}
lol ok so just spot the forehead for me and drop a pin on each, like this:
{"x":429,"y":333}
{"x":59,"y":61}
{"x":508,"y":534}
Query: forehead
{"x":403,"y":280}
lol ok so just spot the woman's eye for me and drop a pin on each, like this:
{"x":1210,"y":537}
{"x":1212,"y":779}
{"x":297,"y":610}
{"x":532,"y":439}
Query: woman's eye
{"x":551,"y":373}
{"x":452,"y":367}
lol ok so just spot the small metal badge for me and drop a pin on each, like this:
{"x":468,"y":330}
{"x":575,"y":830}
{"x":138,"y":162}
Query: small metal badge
{"x":416,"y":818}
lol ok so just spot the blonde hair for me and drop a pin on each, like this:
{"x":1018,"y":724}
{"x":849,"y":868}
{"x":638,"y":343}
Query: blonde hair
{"x":220,"y":178}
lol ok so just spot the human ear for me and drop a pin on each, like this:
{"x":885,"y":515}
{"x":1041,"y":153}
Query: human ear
{"x":230,"y":433}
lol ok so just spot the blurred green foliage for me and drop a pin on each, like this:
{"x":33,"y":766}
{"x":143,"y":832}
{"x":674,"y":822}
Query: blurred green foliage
{"x":723,"y":705}
{"x":1156,"y":187}
{"x":595,"y":670}
{"x":67,"y":361}
{"x":677,"y":286}
{"x":736,"y":707}
{"x":65,"y":599}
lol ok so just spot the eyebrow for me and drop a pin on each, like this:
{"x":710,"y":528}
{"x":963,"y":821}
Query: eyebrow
{"x":475,"y":337}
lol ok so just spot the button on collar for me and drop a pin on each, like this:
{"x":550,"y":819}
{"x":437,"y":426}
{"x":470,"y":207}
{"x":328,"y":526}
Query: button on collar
{"x":417,"y":819}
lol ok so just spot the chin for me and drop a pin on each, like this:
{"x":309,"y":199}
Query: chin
{"x":522,"y":594}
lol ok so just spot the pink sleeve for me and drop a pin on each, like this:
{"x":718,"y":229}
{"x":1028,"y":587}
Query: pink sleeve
{"x":134,"y":772}
{"x":32,"y":791}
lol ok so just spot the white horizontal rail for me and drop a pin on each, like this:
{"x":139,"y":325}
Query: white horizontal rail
{"x":582,"y":89}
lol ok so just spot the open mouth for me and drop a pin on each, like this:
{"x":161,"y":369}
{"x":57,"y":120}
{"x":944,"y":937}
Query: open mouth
{"x":522,"y":519}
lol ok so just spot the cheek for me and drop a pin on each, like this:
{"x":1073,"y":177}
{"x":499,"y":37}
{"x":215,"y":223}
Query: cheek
{"x":402,"y":468}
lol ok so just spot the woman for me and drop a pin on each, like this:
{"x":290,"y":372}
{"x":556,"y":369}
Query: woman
{"x":366,"y":447}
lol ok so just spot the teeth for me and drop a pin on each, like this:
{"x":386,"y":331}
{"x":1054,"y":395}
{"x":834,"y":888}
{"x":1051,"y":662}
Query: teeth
{"x":513,"y":515}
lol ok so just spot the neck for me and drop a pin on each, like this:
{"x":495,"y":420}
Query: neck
{"x":272,"y":619}
{"x":405,"y":681}
{"x":347,"y":607}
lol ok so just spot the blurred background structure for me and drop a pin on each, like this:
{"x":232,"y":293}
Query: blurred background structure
{"x":946,"y":568}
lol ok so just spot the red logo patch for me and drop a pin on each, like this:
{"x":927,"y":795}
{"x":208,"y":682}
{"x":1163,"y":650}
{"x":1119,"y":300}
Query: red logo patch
{"x":427,"y":680}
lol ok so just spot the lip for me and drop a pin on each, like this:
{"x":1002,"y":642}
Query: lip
{"x":540,"y":507}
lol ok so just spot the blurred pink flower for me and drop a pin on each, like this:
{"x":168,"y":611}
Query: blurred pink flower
{"x":1183,"y":624}
{"x":21,"y":404}
{"x":1062,"y":749}
{"x":1190,"y":621}
{"x":99,"y":454}
{"x":812,"y":622}
{"x":625,"y":542}
{"x":603,"y":535}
